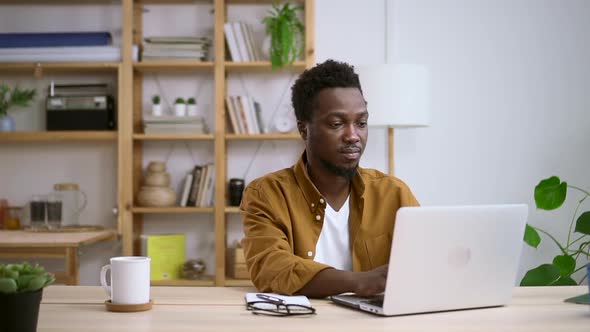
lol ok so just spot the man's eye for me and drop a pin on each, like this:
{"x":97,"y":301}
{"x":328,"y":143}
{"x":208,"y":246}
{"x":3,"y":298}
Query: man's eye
{"x":362,"y":124}
{"x":335,"y":124}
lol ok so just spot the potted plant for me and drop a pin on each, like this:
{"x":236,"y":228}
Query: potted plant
{"x":179,"y":107}
{"x":156,"y":106}
{"x":21,"y":290}
{"x":286,"y":34}
{"x":191,"y":107}
{"x":550,"y":194}
{"x":9,"y":98}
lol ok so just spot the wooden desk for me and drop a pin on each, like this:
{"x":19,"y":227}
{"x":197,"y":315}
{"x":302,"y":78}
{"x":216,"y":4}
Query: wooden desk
{"x":22,"y":244}
{"x":79,"y":308}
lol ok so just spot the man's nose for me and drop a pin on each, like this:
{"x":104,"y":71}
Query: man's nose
{"x":351,"y":134}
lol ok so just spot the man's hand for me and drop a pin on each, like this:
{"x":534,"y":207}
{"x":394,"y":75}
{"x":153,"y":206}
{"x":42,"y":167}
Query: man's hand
{"x":331,"y":282}
{"x":371,"y":282}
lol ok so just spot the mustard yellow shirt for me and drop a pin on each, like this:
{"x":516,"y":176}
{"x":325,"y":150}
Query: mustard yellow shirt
{"x":283,"y":214}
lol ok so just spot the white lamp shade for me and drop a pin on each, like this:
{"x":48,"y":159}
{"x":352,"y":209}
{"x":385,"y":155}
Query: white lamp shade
{"x":396,"y":95}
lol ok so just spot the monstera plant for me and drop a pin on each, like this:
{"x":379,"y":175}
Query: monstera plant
{"x":574,"y":255}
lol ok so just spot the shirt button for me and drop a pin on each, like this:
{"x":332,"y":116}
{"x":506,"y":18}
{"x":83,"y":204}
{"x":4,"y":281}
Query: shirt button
{"x":322,"y":200}
{"x":312,"y":205}
{"x":318,"y":217}
{"x":309,"y":253}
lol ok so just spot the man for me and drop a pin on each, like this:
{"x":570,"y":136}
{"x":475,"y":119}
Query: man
{"x":323,"y":226}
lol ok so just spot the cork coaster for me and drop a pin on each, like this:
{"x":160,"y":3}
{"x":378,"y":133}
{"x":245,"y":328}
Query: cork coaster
{"x":128,"y":307}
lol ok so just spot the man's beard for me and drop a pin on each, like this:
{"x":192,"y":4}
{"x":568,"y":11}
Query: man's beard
{"x":347,"y":173}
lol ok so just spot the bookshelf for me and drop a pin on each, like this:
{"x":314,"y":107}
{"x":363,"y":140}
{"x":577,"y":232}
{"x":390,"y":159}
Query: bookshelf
{"x":129,"y":138}
{"x":132,"y":218}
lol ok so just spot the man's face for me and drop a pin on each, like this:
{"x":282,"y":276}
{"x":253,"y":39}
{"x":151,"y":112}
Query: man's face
{"x":337,"y":132}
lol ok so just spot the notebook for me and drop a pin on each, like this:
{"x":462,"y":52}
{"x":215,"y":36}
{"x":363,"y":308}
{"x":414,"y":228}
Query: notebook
{"x":449,"y":258}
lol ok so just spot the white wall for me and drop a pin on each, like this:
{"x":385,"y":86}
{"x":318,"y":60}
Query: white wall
{"x":508,"y":108}
{"x":509,"y":83}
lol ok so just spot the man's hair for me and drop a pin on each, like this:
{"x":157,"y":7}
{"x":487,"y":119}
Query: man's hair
{"x":329,"y":74}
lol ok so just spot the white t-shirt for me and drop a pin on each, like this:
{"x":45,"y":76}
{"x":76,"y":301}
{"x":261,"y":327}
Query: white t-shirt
{"x":333,"y":247}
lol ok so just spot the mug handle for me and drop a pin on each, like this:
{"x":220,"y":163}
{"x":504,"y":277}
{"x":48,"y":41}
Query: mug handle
{"x":103,"y":279}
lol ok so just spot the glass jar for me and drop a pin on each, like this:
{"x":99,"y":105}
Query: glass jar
{"x":73,"y":201}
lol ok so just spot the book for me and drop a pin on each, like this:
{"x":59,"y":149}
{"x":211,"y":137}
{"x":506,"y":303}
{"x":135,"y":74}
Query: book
{"x":240,"y":41}
{"x":167,"y":253}
{"x":192,"y":197}
{"x":54,"y":39}
{"x":188,"y":181}
{"x":230,"y":39}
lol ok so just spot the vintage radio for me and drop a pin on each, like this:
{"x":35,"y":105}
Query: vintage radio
{"x":80,"y":112}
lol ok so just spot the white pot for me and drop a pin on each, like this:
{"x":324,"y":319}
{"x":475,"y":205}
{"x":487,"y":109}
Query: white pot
{"x":156,"y":109}
{"x":192,"y":109}
{"x":180,"y":109}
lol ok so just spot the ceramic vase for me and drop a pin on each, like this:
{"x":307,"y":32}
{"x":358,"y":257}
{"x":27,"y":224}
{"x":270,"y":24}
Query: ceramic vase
{"x":155,"y":191}
{"x":7,"y":123}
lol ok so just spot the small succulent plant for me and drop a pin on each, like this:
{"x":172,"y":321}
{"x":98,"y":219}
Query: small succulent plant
{"x":191,"y":101}
{"x":179,"y":101}
{"x":23,"y":277}
{"x":156,"y":100}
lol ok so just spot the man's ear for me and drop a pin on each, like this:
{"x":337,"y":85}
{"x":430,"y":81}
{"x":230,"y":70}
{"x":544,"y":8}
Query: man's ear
{"x":302,"y":128}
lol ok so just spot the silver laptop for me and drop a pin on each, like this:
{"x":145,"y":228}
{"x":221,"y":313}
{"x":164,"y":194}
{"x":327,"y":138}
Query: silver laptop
{"x":449,"y":258}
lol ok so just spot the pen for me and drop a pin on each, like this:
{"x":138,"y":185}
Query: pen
{"x":271,"y":299}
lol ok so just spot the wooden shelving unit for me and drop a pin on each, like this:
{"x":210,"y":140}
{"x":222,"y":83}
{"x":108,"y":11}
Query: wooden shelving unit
{"x":132,"y":218}
{"x":129,"y":138}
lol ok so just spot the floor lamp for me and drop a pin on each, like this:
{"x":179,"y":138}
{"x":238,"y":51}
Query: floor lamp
{"x":397,"y":96}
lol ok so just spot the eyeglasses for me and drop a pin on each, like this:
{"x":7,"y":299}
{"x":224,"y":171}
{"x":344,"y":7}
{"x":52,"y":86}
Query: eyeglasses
{"x":274,"y":306}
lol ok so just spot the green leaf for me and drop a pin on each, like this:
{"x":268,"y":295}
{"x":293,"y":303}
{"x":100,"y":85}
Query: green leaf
{"x":24,"y":280}
{"x":550,"y":193}
{"x":531,"y":236}
{"x":36,"y":283}
{"x":583,"y":223}
{"x":542,"y":275}
{"x":566,"y":264}
{"x":8,"y":285}
{"x":564,"y":281}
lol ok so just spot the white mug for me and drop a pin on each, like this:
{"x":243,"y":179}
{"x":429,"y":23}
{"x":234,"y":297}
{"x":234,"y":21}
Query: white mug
{"x":130,"y":280}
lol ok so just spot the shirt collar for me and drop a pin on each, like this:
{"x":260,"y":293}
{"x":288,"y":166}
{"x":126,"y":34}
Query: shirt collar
{"x":312,"y":195}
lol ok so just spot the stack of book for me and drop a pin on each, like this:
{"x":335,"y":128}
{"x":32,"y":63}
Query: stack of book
{"x":240,"y":42}
{"x":198,"y":186}
{"x":245,"y":115}
{"x":170,"y":124}
{"x":176,"y":48}
{"x":57,"y":47}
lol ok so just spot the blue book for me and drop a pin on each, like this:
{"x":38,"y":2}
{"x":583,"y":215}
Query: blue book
{"x":54,"y":39}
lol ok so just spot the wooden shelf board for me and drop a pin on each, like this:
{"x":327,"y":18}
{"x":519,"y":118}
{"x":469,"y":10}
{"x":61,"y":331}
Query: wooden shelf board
{"x":148,"y":137}
{"x":232,"y":209}
{"x":207,"y":281}
{"x":39,"y":136}
{"x":172,"y":209}
{"x":60,"y":66}
{"x":238,"y":282}
{"x":165,"y":2}
{"x":173,"y":65}
{"x":243,"y":137}
{"x":257,"y":2}
{"x":260,"y":66}
{"x":55,"y":2}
